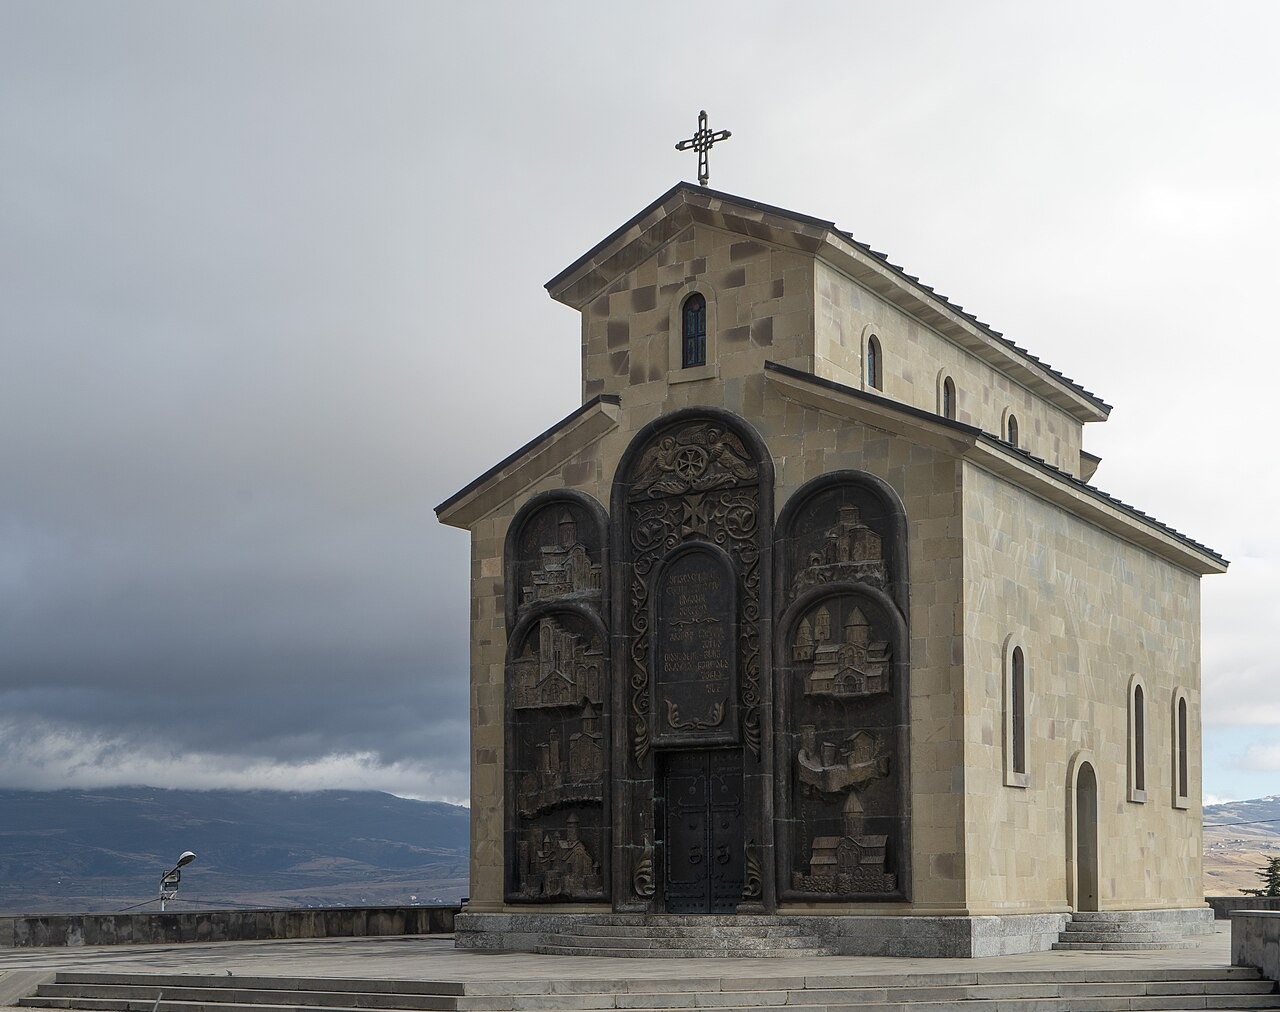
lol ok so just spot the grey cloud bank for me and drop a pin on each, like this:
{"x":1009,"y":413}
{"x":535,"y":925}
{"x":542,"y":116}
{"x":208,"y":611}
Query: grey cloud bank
{"x":270,"y":288}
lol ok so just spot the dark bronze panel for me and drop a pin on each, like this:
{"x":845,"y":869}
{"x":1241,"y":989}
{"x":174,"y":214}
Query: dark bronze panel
{"x":704,"y":839}
{"x":695,"y":648}
{"x":691,"y":587}
{"x":842,"y":686}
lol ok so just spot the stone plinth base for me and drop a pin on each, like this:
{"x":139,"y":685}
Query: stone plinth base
{"x":755,"y":936}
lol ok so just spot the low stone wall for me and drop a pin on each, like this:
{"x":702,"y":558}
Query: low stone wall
{"x":1223,"y":905}
{"x":1255,"y":940}
{"x":222,"y":925}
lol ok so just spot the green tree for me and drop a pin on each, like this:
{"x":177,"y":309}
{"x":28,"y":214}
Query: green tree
{"x":1270,"y":875}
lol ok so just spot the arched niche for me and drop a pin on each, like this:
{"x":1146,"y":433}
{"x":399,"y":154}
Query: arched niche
{"x":558,"y":841}
{"x":692,"y":497}
{"x":556,"y":549}
{"x":842,"y":692}
{"x":841,"y":699}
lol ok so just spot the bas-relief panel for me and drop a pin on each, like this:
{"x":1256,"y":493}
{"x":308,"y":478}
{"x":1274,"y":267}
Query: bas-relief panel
{"x":557,"y":674}
{"x":844,"y":832}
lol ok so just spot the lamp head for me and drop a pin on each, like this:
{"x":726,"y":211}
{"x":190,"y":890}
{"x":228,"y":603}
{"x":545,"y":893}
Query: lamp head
{"x":187,"y":857}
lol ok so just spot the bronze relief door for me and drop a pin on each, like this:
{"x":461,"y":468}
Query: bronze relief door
{"x":704,"y":832}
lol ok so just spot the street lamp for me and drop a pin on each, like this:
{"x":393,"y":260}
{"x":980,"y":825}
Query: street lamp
{"x":170,"y":879}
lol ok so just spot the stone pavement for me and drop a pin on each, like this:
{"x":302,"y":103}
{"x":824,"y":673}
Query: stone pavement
{"x":434,"y":958}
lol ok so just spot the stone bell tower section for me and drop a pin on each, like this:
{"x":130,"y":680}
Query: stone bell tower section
{"x":842,"y":693}
{"x":692,"y":536}
{"x":557,"y":838}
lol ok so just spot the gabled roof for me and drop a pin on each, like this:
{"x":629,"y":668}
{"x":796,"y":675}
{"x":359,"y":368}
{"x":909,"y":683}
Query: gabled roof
{"x":659,"y":223}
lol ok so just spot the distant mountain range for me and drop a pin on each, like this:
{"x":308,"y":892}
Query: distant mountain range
{"x":63,"y":851}
{"x":106,"y":849}
{"x":1233,"y":853}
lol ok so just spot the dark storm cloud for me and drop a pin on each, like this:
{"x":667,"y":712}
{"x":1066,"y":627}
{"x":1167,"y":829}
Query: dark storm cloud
{"x":270,"y":289}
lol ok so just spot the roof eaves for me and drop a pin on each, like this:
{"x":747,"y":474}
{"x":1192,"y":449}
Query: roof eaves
{"x":527,"y":448}
{"x":1097,"y":493}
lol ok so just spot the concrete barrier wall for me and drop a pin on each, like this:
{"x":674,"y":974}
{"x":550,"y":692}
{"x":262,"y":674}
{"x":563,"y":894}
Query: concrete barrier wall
{"x":1223,"y":905}
{"x":1255,"y":940}
{"x":222,"y":925}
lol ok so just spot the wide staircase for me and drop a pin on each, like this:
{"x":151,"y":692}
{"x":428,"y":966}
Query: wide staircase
{"x":1097,"y":990}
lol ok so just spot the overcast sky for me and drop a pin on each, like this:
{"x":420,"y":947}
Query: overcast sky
{"x":271,"y":288}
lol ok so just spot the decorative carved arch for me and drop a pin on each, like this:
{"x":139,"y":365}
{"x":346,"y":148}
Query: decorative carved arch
{"x":699,"y":476}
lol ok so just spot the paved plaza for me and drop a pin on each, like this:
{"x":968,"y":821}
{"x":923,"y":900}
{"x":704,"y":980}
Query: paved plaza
{"x":434,"y":958}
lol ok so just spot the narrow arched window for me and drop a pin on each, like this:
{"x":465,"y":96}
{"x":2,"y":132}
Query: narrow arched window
{"x":1183,"y":777}
{"x":1137,"y":740}
{"x":1018,"y":698}
{"x":1015,"y":716}
{"x":948,"y":398}
{"x":693,"y":330}
{"x":875,"y":366}
{"x":1011,"y":430}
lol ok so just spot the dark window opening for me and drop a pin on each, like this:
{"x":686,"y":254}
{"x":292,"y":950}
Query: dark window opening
{"x":1182,"y":748}
{"x":693,"y":332}
{"x":1139,"y":741}
{"x":1018,"y":702}
{"x":874,"y":365}
{"x":1013,"y":430}
{"x":948,"y":398}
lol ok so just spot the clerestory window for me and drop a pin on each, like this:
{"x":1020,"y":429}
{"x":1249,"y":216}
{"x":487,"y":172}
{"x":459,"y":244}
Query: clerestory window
{"x":1011,"y":433}
{"x":948,"y":398}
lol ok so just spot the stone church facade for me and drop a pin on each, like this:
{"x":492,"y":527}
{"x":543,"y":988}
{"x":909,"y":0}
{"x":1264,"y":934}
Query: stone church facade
{"x":809,"y":611}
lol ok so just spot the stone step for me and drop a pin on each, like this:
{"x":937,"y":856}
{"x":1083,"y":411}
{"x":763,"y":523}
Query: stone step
{"x":254,"y":996}
{"x":359,"y":984}
{"x":1065,"y":990}
{"x":687,"y":953}
{"x":690,"y":931}
{"x":709,"y":940}
{"x":1120,"y":946}
{"x":1121,"y":938}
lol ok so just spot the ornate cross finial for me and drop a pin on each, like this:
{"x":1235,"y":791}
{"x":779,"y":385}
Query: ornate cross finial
{"x":701,"y":142}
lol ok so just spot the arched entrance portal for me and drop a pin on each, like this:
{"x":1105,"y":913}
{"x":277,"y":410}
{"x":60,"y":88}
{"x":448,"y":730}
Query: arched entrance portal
{"x":1082,"y":845}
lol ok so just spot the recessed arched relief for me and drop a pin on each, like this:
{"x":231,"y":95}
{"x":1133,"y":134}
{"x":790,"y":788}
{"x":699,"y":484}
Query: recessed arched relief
{"x":557,"y":756}
{"x":841,"y":693}
{"x":691,"y":547}
{"x":557,"y":692}
{"x":556,"y":550}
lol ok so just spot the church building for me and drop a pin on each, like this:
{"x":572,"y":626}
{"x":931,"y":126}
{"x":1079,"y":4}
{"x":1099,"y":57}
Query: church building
{"x":810,"y":615}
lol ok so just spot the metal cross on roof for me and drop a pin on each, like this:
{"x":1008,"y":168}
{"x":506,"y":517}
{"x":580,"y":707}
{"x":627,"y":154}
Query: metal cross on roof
{"x":701,"y":142}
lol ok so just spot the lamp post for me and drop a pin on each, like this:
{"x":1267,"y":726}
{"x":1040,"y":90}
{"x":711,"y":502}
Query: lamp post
{"x":170,"y":879}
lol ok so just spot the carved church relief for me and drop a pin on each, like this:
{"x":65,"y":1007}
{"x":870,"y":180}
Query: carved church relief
{"x":849,"y":664}
{"x":557,"y":667}
{"x":849,"y":551}
{"x":844,"y":829}
{"x":557,"y":695}
{"x":558,"y":865}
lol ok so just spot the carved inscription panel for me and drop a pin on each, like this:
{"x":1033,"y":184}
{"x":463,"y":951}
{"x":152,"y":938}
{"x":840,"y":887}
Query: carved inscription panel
{"x":695,"y":648}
